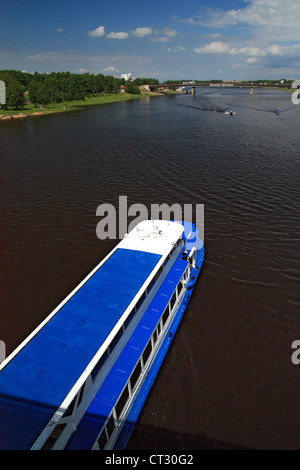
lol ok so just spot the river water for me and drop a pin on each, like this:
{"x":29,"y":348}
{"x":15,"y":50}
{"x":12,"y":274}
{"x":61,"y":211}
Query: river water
{"x":228,"y":377}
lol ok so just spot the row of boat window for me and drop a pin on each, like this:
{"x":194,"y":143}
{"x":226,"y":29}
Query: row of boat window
{"x":131,"y":386}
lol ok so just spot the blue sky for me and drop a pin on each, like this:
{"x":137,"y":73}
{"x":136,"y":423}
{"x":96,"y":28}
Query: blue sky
{"x":164,"y":39}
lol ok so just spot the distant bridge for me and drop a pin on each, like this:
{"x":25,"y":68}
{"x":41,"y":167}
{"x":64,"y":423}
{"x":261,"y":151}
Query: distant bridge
{"x":216,"y":85}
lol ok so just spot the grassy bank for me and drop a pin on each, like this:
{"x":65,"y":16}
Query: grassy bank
{"x":30,"y":110}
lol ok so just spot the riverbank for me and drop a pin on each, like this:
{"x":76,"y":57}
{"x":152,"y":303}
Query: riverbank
{"x":31,"y":110}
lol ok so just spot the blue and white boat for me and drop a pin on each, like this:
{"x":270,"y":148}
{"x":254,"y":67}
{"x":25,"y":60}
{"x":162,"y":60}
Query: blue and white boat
{"x":80,"y":379}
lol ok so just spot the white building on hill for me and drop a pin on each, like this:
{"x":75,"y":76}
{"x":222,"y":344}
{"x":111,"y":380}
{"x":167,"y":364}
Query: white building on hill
{"x":127,"y":76}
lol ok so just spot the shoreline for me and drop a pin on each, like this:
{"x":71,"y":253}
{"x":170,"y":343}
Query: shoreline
{"x":67,"y":106}
{"x":75,"y":105}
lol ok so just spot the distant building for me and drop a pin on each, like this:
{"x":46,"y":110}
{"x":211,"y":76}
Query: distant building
{"x":127,"y":76}
{"x":122,"y":89}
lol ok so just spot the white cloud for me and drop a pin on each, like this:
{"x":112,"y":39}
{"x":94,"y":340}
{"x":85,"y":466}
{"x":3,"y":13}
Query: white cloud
{"x":171,"y":33}
{"x":141,"y":32}
{"x":161,"y":39}
{"x":266,"y":19}
{"x":216,"y":47}
{"x":97,"y":33}
{"x":219,"y":47}
{"x":119,"y":35}
{"x":60,"y":30}
{"x":248,"y":51}
{"x":251,"y":60}
{"x":268,"y":58}
{"x":111,"y":68}
{"x":177,"y":49}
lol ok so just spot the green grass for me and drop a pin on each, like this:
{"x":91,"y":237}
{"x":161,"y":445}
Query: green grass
{"x":69,"y":105}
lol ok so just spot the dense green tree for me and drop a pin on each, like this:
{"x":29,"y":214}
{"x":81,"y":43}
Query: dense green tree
{"x":63,"y":86}
{"x":33,"y":91}
{"x":43,"y":94}
{"x":15,"y":95}
{"x":146,"y":81}
{"x":131,"y":88}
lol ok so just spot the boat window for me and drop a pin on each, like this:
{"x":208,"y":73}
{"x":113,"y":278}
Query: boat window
{"x":115,"y":340}
{"x":173,"y":300}
{"x":150,"y":285}
{"x":129,"y":318}
{"x":99,"y":365}
{"x":122,"y":402}
{"x":70,"y":408}
{"x":158,"y":329}
{"x":173,"y":249}
{"x":147,"y":352}
{"x":102,"y":440}
{"x":179,"y":288}
{"x":135,"y":375}
{"x":158,"y":273}
{"x":110,"y":426}
{"x":166,"y":260}
{"x":81,"y":394}
{"x":55,"y":434}
{"x":154,"y":336}
{"x":165,"y":315}
{"x":138,"y":305}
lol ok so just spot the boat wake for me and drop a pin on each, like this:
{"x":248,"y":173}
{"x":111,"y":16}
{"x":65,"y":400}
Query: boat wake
{"x":216,"y":109}
{"x":267,"y":110}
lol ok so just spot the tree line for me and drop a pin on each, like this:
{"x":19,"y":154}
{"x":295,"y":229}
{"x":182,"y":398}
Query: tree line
{"x":56,"y":87}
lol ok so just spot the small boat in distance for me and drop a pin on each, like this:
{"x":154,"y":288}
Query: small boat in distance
{"x":79,"y":381}
{"x":231,"y":113}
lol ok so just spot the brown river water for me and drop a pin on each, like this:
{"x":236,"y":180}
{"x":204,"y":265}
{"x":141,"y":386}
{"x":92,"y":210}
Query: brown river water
{"x":228,"y":380}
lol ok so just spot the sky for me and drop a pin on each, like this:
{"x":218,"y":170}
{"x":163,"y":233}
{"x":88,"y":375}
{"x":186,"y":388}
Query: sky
{"x":163,"y":39}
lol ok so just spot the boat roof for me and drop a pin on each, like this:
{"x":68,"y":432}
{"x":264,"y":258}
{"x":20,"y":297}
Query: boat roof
{"x":36,"y":380}
{"x":153,"y":236}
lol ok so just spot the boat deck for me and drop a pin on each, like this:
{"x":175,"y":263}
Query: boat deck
{"x":38,"y":378}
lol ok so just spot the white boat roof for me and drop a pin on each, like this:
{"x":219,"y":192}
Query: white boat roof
{"x":153,"y":236}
